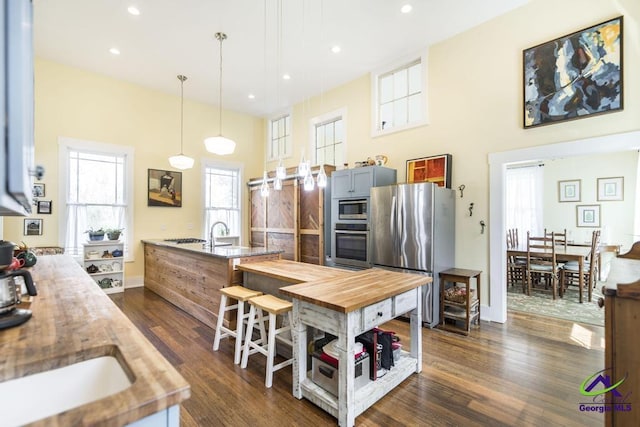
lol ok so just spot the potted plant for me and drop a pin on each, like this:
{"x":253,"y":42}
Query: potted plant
{"x":113,"y":233}
{"x":95,"y":235}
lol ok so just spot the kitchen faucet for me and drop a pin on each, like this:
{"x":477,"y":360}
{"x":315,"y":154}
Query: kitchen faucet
{"x":211,"y":232}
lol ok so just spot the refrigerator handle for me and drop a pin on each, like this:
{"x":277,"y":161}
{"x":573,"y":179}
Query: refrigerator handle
{"x":392,"y":223}
{"x":399,"y":230}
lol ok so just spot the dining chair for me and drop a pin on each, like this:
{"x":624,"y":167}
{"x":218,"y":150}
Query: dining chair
{"x":571,"y":273}
{"x":516,"y":265}
{"x":542,"y":264}
{"x":561,"y":238}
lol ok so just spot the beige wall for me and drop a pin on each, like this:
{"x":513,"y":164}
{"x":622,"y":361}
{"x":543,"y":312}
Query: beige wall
{"x":83,"y":105}
{"x":616,"y":217}
{"x":475,"y":108}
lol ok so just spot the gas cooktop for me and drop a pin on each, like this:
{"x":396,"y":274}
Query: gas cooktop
{"x":185,"y":240}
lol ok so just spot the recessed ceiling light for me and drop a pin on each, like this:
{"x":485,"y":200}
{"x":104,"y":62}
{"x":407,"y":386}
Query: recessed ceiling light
{"x":336,"y":49}
{"x":115,"y":51}
{"x":406,"y":8}
{"x":286,"y":77}
{"x":252,"y":96}
{"x":133,"y":10}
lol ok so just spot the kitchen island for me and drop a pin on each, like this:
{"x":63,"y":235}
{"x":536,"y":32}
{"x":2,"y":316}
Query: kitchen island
{"x":347,"y":306}
{"x":73,"y":321}
{"x":190,"y":275}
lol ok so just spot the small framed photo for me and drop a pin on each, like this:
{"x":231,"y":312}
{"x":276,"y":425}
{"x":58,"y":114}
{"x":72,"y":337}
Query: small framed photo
{"x":588,"y":216}
{"x":32,"y":227}
{"x":569,"y":191}
{"x":38,"y":190}
{"x":44,"y":206}
{"x":611,"y":188}
{"x":436,"y":169}
{"x":165,"y":188}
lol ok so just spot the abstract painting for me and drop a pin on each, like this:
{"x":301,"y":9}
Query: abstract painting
{"x":436,"y":169}
{"x":574,"y":76}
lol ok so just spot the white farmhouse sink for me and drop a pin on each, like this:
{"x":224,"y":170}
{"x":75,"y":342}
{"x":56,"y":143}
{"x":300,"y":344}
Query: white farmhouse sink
{"x":33,"y":397}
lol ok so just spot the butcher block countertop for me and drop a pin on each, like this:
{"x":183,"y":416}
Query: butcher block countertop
{"x":292,"y":271}
{"x":354,"y":290}
{"x":74,"y":320}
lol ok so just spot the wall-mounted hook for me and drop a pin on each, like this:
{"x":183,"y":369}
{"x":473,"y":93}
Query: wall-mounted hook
{"x":470,"y":209}
{"x":482,"y":226}
{"x":461,"y":187}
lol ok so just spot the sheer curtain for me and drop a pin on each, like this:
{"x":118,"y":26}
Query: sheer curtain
{"x":524,"y":187}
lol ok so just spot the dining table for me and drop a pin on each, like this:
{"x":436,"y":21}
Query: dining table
{"x":563,"y":254}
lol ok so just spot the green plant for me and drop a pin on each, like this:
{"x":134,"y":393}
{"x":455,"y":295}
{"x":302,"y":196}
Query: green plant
{"x":113,"y":230}
{"x":98,"y":231}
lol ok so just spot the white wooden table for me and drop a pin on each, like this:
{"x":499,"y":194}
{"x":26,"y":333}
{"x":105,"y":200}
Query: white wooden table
{"x":347,"y":306}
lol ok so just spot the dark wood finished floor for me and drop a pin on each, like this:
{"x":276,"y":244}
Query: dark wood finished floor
{"x":525,"y":372}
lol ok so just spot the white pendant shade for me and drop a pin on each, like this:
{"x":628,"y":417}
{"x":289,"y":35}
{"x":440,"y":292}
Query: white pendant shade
{"x":264,"y":188}
{"x":322,"y":178}
{"x":219,"y":145}
{"x":181,"y":161}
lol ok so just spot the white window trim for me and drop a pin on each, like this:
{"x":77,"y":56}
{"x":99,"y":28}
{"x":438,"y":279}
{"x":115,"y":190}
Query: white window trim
{"x":339,"y":113}
{"x":288,"y":150}
{"x":64,"y":145}
{"x":210,"y":163}
{"x":375,"y":77}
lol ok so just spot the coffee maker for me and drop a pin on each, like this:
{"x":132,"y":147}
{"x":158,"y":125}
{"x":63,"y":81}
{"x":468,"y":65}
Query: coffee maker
{"x":10,"y":291}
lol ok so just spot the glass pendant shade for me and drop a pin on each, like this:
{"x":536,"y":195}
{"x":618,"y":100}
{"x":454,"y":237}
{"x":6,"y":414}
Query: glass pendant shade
{"x":219,"y":145}
{"x":277,"y":184}
{"x":264,"y":188}
{"x":322,"y":178}
{"x":309,"y":183}
{"x":303,"y":168}
{"x":181,"y":161}
{"x":281,"y":172}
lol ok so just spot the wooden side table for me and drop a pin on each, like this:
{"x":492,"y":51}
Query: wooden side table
{"x":467,"y":310}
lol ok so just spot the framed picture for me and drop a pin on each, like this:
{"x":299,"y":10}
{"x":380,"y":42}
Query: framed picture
{"x":32,"y":227}
{"x":44,"y":206}
{"x":38,"y":190}
{"x":165,"y":188}
{"x":588,"y":216}
{"x":435,"y":169}
{"x":611,"y":188}
{"x":569,"y":191}
{"x":574,"y":76}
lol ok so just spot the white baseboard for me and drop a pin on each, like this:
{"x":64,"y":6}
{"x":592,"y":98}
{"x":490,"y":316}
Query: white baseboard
{"x":487,"y":314}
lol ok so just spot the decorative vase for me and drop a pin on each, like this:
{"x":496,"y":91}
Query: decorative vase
{"x":96,"y":236}
{"x":113,"y":236}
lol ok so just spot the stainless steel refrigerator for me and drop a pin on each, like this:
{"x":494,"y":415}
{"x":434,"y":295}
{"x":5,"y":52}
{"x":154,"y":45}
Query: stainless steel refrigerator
{"x":412,"y":229}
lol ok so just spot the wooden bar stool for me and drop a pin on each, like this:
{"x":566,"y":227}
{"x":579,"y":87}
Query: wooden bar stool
{"x":240,"y":294}
{"x":274,"y":306}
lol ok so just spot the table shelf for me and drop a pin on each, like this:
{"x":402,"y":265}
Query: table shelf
{"x":467,"y":311}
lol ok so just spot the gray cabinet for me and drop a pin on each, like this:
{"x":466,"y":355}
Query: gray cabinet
{"x":357,"y":182}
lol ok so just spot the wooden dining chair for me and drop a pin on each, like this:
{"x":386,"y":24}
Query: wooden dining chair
{"x":516,"y":265}
{"x":542,"y":264}
{"x":571,"y":273}
{"x":561,"y":237}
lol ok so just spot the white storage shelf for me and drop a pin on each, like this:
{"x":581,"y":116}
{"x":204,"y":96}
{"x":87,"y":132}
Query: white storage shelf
{"x":110,"y":274}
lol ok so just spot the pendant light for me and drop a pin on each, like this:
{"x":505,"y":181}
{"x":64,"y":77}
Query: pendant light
{"x":219,"y":144}
{"x":281,"y":172}
{"x":322,"y":177}
{"x":309,"y":183}
{"x":181,"y":161}
{"x":264,"y":188}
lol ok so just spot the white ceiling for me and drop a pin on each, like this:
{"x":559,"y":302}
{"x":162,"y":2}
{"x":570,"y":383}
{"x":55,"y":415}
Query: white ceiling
{"x":172,"y":37}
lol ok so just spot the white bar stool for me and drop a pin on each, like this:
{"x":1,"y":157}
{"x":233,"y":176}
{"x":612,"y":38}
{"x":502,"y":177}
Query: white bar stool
{"x":274,"y":306}
{"x":240,"y":294}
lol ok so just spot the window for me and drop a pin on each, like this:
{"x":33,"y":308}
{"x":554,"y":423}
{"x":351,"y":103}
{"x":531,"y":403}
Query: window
{"x":96,"y":185}
{"x":222,"y":182}
{"x":523,"y":202}
{"x":328,"y":138}
{"x":400,"y":98}
{"x":280,"y":138}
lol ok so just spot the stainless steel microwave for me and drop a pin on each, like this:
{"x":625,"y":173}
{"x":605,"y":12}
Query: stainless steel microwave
{"x":353,"y":209}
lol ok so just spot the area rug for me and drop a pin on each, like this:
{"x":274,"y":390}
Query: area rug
{"x":567,"y":307}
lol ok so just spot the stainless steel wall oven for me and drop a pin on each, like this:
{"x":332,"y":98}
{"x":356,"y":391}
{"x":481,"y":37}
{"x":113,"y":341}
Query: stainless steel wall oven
{"x":349,"y":209}
{"x":352,"y":244}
